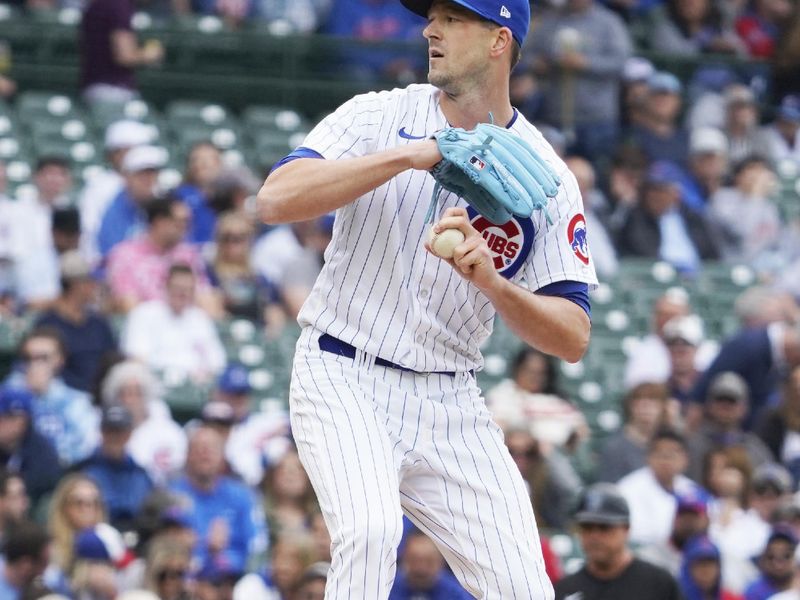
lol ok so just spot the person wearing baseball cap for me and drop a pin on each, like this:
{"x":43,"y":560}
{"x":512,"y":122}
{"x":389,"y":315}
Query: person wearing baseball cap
{"x":611,"y":570}
{"x":23,"y":447}
{"x":125,"y":216}
{"x":123,"y":483}
{"x":103,"y":185}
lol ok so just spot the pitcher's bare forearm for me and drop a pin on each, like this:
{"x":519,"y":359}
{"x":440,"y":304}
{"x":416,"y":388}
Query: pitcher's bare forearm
{"x":310,"y":187}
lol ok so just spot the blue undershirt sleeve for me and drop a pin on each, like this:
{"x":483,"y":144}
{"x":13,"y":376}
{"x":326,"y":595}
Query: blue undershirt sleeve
{"x":574,"y":291}
{"x":301,"y":152}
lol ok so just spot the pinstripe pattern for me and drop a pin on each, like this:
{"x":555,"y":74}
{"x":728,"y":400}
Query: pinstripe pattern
{"x":377,"y":441}
{"x":379,"y":290}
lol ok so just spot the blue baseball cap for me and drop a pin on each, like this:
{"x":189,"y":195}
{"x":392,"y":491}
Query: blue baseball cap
{"x":514,"y":14}
{"x":15,"y":400}
{"x":235,"y":379}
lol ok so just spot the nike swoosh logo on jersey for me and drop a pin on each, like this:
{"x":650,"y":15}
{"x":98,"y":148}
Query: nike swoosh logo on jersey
{"x":404,"y":134}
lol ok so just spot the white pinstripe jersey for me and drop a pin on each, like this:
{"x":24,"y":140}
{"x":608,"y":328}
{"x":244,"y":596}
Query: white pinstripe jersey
{"x":380,"y":290}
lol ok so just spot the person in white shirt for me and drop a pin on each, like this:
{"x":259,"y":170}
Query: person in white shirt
{"x":651,"y":491}
{"x":257,"y":439}
{"x":157,"y":443}
{"x":174,"y":336}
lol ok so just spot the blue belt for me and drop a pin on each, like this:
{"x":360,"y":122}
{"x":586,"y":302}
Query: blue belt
{"x":328,"y":343}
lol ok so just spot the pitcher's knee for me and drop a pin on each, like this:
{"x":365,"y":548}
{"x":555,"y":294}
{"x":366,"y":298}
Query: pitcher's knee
{"x":371,"y":538}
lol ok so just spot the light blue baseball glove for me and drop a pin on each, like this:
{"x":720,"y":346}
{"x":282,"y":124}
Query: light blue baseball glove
{"x":495,"y":171}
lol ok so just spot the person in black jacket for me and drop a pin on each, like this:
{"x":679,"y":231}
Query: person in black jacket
{"x":780,"y":425}
{"x":662,"y":227}
{"x":611,"y":571}
{"x":22,"y":448}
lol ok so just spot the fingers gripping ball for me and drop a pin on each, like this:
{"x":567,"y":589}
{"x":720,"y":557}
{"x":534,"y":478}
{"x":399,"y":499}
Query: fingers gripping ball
{"x":443,"y":244}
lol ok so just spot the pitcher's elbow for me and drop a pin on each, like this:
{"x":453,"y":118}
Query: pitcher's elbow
{"x":268,"y":206}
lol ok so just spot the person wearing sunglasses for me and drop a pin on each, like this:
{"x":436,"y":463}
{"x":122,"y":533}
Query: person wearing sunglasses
{"x":776,"y":564}
{"x":611,"y":570}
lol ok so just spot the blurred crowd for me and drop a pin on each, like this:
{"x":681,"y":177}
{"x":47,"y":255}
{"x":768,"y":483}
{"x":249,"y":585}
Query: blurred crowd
{"x":125,"y":280}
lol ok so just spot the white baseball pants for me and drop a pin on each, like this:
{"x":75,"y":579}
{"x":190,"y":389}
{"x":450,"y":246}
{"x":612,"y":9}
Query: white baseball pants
{"x":377,"y":442}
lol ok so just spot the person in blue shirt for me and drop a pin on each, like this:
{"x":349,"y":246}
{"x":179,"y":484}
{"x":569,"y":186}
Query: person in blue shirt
{"x":422,"y":574}
{"x":60,"y":413}
{"x":125,"y":216}
{"x":123,"y":483}
{"x":203,"y":165}
{"x":223,"y":512}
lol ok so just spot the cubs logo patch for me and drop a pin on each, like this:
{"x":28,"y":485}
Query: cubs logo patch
{"x":576,"y":236}
{"x":510,"y":243}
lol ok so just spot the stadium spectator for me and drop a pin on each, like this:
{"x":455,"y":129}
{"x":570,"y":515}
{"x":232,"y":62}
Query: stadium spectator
{"x":761,"y":25}
{"x":581,"y":48}
{"x":25,"y":556}
{"x":595,"y":205}
{"x":312,"y":584}
{"x":274,"y":251}
{"x":321,"y":538}
{"x":138,"y":267}
{"x":645,"y":409}
{"x":737,"y":530}
{"x":225,"y":516}
{"x":168,"y":566}
{"x":422,"y":572}
{"x":725,"y":409}
{"x":780,"y":426}
{"x":62,"y":414}
{"x":33,"y":230}
{"x":371,"y":20}
{"x":215,"y":583}
{"x":691,"y":520}
{"x":708,"y":166}
{"x":110,"y":51}
{"x":690,"y":28}
{"x":552,"y":482}
{"x":14,"y":500}
{"x":651,"y":490}
{"x":701,"y":572}
{"x":611,"y":570}
{"x":289,"y":500}
{"x":76,"y":505}
{"x":188,"y":345}
{"x":123,"y":483}
{"x":776,"y":564}
{"x":759,"y":355}
{"x":291,"y":557}
{"x":760,"y":305}
{"x":245,"y":293}
{"x":258,"y":439}
{"x":748,"y":220}
{"x":649,"y":360}
{"x":635,"y":75}
{"x":104,"y":185}
{"x":203,"y":166}
{"x":682,"y":335}
{"x":23,"y":449}
{"x":779,"y":140}
{"x":125,"y":216}
{"x":87,"y":334}
{"x":770,"y":486}
{"x":657,"y":133}
{"x":530,"y":398}
{"x":157,"y":443}
{"x":663,"y":227}
{"x":706,"y":99}
{"x":233,"y":12}
{"x":741,"y":122}
{"x":233,"y":190}
{"x":102,"y":564}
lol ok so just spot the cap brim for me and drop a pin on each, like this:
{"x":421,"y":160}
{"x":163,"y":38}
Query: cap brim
{"x":601,"y":519}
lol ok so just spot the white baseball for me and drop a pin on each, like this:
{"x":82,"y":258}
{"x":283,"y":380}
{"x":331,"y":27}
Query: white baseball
{"x":443,"y":244}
